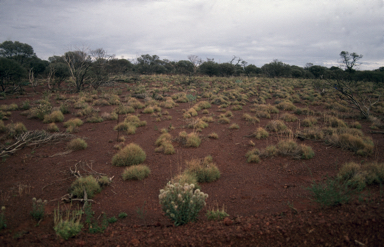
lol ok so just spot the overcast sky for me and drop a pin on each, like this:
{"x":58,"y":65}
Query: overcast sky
{"x":293,"y":31}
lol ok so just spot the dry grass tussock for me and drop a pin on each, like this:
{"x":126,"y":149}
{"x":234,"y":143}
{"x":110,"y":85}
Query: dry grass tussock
{"x":190,"y":140}
{"x":247,"y":117}
{"x":136,"y":172}
{"x":204,"y":170}
{"x":288,"y":117}
{"x":13,"y":129}
{"x":164,"y":144}
{"x":89,"y":184}
{"x":359,"y":176}
{"x":55,"y":116}
{"x":276,"y":126}
{"x":132,"y":154}
{"x":77,"y":144}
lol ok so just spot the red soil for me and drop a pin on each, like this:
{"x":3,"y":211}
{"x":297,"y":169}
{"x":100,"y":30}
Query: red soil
{"x":268,"y":203}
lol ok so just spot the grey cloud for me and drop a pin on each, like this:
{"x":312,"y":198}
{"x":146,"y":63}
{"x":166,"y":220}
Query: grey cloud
{"x":258,"y":31}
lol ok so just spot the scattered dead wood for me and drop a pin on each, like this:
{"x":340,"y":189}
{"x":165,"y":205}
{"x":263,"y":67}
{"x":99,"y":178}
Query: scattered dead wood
{"x":376,"y":132}
{"x":31,"y":138}
{"x":62,"y":153}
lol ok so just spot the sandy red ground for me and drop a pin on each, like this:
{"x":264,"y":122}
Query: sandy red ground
{"x":258,"y":197}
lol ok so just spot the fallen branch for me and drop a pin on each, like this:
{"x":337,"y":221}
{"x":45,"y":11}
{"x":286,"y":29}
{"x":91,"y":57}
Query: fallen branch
{"x":31,"y":138}
{"x":376,"y":132}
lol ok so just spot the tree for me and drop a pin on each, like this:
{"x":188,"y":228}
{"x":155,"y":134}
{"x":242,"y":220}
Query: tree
{"x":78,"y":63}
{"x":57,"y":73}
{"x":119,"y":66}
{"x":185,"y":67}
{"x":147,"y":64}
{"x":16,"y":50}
{"x":252,"y":70}
{"x":226,"y":69}
{"x":11,"y":74}
{"x":196,"y":61}
{"x":98,"y":72}
{"x":349,"y":60}
{"x":318,"y":71}
{"x":276,"y":68}
{"x":209,"y":68}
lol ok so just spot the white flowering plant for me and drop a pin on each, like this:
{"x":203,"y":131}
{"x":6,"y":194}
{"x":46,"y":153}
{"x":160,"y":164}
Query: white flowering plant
{"x":182,"y":203}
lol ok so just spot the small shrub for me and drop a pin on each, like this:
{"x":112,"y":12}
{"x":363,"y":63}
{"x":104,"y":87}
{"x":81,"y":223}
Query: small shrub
{"x":331,"y":193}
{"x":288,"y":147}
{"x":104,"y":181}
{"x":270,"y":151}
{"x":224,"y":120}
{"x":69,"y":226}
{"x":335,"y":122}
{"x":186,"y":178}
{"x":262,"y":114}
{"x":181,"y":203}
{"x":122,"y":215}
{"x":109,"y":116}
{"x":148,"y":110}
{"x":311,"y":133}
{"x":112,"y":220}
{"x":25,"y":105}
{"x":286,"y":106}
{"x":2,"y":218}
{"x":309,"y":122}
{"x":132,"y":154}
{"x":73,"y":122}
{"x":123,"y":109}
{"x":236,"y":108}
{"x":276,"y":126}
{"x":217,"y":214}
{"x":250,"y":119}
{"x":55,"y":116}
{"x":348,"y":171}
{"x":193,"y":140}
{"x":16,"y":129}
{"x":2,"y":127}
{"x":52,"y":127}
{"x":100,"y":102}
{"x":136,"y":172}
{"x":253,"y":156}
{"x":234,"y":126}
{"x":89,"y":184}
{"x":64,"y":109}
{"x":361,"y":145}
{"x":288,"y":117}
{"x":38,"y":209}
{"x":306,"y":152}
{"x":204,"y":171}
{"x":77,"y":144}
{"x":41,"y":110}
{"x":198,"y":124}
{"x":95,"y":118}
{"x":355,"y":125}
{"x":261,"y":133}
{"x":213,"y":135}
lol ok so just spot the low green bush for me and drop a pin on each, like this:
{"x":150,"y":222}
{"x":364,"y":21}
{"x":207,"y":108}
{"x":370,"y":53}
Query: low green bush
{"x":331,"y":193}
{"x":69,"y":225}
{"x":38,"y":208}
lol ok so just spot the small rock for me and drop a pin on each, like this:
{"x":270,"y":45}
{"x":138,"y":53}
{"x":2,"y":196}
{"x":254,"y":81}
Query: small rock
{"x":227,"y":221}
{"x":134,"y":242}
